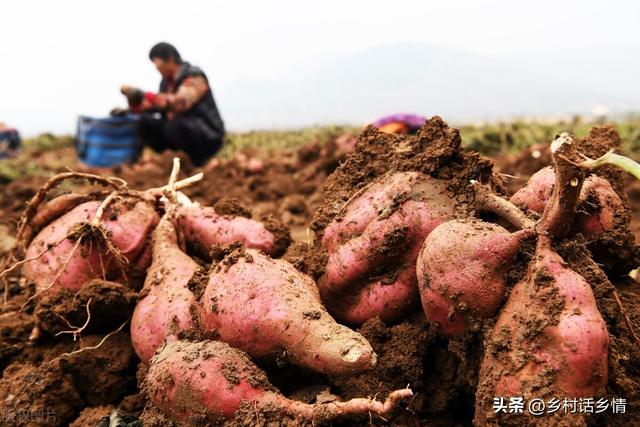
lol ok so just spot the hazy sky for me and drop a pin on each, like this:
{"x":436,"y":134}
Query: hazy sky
{"x":61,"y":58}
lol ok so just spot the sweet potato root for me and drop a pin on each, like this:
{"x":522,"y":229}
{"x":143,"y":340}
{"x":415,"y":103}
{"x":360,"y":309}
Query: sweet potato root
{"x":166,"y":310}
{"x":67,"y":252}
{"x":209,"y":381}
{"x":270,"y":310}
{"x":461,"y":272}
{"x":373,"y":247}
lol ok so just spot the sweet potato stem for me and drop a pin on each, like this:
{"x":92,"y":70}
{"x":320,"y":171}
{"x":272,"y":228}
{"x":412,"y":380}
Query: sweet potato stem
{"x":559,"y":213}
{"x":179,"y":185}
{"x":611,"y":158}
{"x":486,"y":200}
{"x":97,"y":218}
{"x":170,"y":191}
{"x":571,"y":168}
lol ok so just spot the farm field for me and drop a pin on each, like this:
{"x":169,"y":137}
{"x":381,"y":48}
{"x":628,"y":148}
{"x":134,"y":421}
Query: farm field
{"x":299,"y":183}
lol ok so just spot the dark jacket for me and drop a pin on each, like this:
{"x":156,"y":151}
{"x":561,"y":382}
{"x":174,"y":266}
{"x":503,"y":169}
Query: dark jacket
{"x":205,"y":111}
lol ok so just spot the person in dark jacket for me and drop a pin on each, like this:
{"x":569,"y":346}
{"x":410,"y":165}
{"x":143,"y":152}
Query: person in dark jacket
{"x":188,"y":118}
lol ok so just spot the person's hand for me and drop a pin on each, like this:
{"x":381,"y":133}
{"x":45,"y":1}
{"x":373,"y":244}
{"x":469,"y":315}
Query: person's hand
{"x":164,"y":101}
{"x":134,"y":95}
{"x":127,"y":90}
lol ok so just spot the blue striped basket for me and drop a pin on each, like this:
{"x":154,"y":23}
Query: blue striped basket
{"x":106,"y":142}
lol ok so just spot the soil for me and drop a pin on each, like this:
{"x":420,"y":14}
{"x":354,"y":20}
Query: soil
{"x":109,"y":303}
{"x":44,"y":383}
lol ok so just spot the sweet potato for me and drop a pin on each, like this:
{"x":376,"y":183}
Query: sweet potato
{"x":373,"y":246}
{"x":203,"y":227}
{"x":269,"y":309}
{"x":389,"y":301}
{"x":62,"y":255}
{"x":461,"y":272}
{"x":535,"y":195}
{"x":550,"y":339}
{"x":597,"y":208}
{"x":601,"y":217}
{"x":54,"y":209}
{"x":208,"y":382}
{"x":166,"y":310}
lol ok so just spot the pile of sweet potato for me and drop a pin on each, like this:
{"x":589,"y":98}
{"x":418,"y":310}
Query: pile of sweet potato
{"x":258,"y":306}
{"x":408,"y":222}
{"x":401,"y":234}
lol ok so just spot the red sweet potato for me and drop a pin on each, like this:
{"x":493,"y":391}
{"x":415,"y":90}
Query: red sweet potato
{"x":54,"y":209}
{"x":269,"y":309}
{"x":207,"y":383}
{"x":204,"y":227}
{"x":389,"y":301}
{"x":601,"y":217}
{"x":549,"y":338}
{"x":166,"y":310}
{"x":62,"y":258}
{"x":597,"y":208}
{"x":535,"y":195}
{"x":373,"y":246}
{"x":461,"y":272}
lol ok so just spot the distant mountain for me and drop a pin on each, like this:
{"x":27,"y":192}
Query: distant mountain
{"x":425,"y":79}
